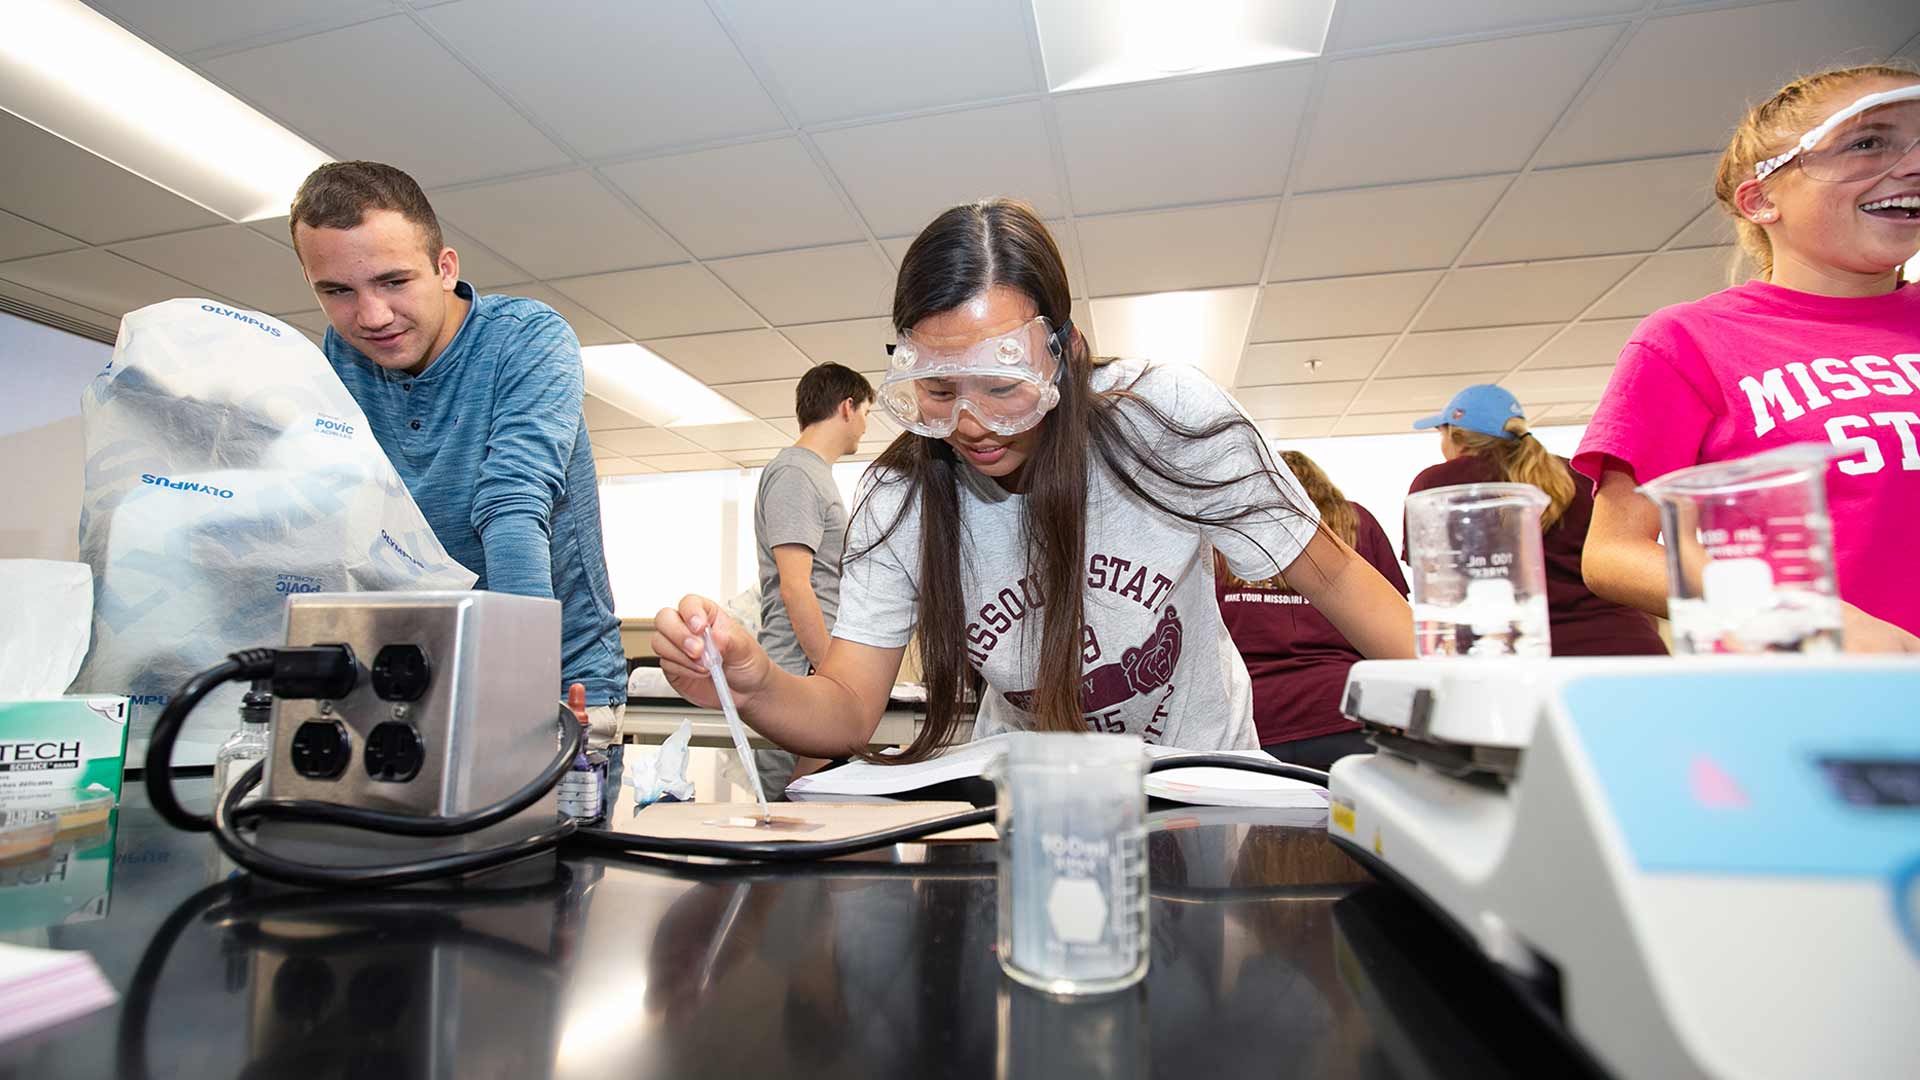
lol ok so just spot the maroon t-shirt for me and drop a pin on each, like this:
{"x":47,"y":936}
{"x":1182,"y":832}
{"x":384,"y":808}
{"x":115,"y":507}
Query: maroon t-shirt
{"x":1580,"y":623}
{"x":1297,"y":659}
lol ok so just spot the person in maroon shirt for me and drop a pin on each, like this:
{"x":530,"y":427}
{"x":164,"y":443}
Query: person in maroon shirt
{"x":1297,"y":659}
{"x":1484,"y":438}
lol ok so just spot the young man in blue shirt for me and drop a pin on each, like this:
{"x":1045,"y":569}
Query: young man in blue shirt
{"x":477,"y":402}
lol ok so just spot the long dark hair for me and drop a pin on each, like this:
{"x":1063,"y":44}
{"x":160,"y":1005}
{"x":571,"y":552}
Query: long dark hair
{"x":963,"y":253}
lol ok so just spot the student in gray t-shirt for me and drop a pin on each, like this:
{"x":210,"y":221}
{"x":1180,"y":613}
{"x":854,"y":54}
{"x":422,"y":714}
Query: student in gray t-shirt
{"x":800,"y":528}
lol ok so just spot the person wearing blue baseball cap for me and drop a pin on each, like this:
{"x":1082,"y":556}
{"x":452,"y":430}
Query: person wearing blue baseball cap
{"x":1484,"y":439}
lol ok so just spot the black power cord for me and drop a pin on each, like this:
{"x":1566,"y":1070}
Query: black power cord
{"x":329,"y":671}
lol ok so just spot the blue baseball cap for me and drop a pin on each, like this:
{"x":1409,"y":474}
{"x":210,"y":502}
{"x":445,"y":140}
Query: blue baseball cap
{"x":1484,"y":408}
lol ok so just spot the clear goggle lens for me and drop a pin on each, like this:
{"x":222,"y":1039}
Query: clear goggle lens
{"x":1007,"y":382}
{"x":1867,"y":146}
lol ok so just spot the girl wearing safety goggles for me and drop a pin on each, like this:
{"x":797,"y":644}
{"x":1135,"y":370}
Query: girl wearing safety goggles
{"x":1044,"y":532}
{"x":1823,"y":345}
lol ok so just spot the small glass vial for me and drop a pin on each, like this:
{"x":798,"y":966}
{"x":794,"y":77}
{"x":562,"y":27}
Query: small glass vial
{"x":245,"y":746}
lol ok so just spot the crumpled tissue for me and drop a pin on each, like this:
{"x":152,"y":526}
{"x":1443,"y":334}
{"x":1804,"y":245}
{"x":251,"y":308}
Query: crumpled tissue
{"x":662,"y":775}
{"x":47,"y":628}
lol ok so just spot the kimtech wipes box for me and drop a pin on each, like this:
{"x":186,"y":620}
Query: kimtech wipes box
{"x":53,"y":750}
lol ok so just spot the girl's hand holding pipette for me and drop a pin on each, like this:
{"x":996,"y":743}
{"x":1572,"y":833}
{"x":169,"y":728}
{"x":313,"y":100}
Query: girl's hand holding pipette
{"x":677,"y":642}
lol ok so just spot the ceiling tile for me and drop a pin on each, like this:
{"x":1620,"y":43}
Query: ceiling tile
{"x":1671,"y":277}
{"x":762,"y":196}
{"x":1596,"y":210}
{"x":875,"y":57}
{"x":740,"y":356}
{"x":753,"y":435}
{"x":608,"y":80}
{"x":1559,"y":384}
{"x":622,"y":467}
{"x":642,"y":441}
{"x":815,"y":285}
{"x":1305,"y":427}
{"x":99,"y":280}
{"x":558,"y":226}
{"x":1585,"y":344}
{"x":230,"y":260}
{"x":604,"y":416}
{"x":1340,"y":307}
{"x":1713,"y":228}
{"x":753,"y":459}
{"x":1173,"y":250}
{"x":1368,"y":23}
{"x":903,"y":173}
{"x":204,"y":24}
{"x":858,"y":343}
{"x":1453,"y":352}
{"x":588,"y":327}
{"x":58,"y":306}
{"x":20,"y":239}
{"x":1521,"y":293}
{"x":436,"y":120}
{"x":1295,"y":400}
{"x":481,"y":267}
{"x":1682,"y":81}
{"x":1064,"y":237}
{"x":314,"y":322}
{"x":1213,"y":138}
{"x":788,"y":425}
{"x":690,"y":462}
{"x":1393,"y":423}
{"x":1426,"y":393}
{"x":1410,"y":227}
{"x":1338,"y":359}
{"x":54,"y":183}
{"x":769,"y":399}
{"x":1450,"y":111}
{"x":664,"y":302}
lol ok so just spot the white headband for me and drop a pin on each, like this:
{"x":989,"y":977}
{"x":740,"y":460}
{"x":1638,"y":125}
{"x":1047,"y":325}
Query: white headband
{"x":1812,"y":138}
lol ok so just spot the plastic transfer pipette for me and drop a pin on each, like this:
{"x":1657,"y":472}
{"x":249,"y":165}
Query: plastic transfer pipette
{"x":734,"y":724}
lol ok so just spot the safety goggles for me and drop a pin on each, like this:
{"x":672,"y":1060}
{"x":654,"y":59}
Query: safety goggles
{"x":1863,"y":141}
{"x":1008,"y":381}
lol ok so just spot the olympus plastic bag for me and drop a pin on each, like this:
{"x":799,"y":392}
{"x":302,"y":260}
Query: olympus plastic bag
{"x":227,"y":467}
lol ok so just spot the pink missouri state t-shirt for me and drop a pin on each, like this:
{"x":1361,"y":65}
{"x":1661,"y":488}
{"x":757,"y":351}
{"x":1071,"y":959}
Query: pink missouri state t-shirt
{"x":1757,"y":367}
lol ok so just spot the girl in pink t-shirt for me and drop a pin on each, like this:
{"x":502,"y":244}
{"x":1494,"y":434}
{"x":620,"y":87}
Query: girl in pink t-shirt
{"x":1822,"y":345}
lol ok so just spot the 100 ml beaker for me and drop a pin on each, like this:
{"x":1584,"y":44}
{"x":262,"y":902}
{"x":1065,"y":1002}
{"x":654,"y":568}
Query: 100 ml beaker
{"x":1479,"y":570}
{"x":1072,"y":860}
{"x":1750,"y":553}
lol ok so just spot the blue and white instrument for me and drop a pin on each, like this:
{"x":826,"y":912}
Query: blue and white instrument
{"x":1705,"y":866}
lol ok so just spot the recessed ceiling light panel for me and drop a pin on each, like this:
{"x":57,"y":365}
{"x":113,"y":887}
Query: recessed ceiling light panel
{"x":1104,"y":42}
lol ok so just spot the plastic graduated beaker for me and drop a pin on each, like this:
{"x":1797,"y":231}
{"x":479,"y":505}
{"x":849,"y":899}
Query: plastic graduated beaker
{"x":1072,"y":860}
{"x":1750,"y":553}
{"x":1479,"y":572}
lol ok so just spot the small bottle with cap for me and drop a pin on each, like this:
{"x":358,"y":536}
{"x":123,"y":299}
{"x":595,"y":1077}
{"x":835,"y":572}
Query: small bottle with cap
{"x":580,"y":791}
{"x":246,"y":745}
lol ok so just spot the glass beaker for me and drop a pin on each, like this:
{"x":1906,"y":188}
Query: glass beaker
{"x":1479,"y":571}
{"x":1072,"y":860}
{"x":1750,"y":553}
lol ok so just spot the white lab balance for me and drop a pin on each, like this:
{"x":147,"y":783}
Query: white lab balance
{"x":1702,"y":866}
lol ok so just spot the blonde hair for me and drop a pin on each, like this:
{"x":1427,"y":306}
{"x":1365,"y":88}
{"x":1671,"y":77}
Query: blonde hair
{"x":1765,"y":131}
{"x":1336,"y":513}
{"x":1522,"y":460}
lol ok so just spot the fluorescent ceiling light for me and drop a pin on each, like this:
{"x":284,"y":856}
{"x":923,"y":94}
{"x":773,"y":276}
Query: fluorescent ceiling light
{"x":72,"y":71}
{"x":1206,"y":329}
{"x":637,"y":380}
{"x":1102,"y":42}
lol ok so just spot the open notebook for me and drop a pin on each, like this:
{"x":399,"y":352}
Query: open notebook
{"x":43,"y":987}
{"x":1201,"y":786}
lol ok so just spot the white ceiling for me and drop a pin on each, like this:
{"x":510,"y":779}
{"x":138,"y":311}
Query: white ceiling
{"x":1480,"y":190}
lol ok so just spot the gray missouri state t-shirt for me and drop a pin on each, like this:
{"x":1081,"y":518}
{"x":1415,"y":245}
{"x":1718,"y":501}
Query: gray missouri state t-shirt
{"x":797,"y":503}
